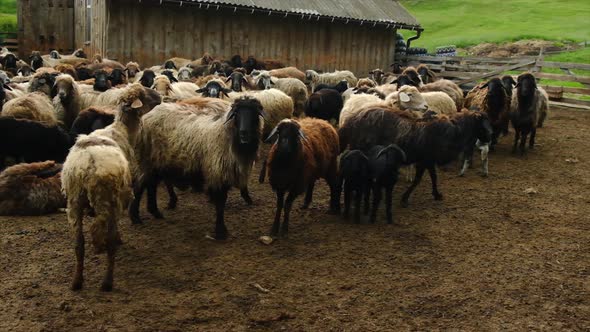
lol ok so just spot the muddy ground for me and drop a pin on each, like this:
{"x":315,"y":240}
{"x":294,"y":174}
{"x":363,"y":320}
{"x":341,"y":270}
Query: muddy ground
{"x":488,"y":257}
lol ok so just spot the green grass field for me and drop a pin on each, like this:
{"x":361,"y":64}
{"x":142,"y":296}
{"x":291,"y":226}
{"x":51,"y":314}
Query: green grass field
{"x":470,"y":22}
{"x":8,"y":15}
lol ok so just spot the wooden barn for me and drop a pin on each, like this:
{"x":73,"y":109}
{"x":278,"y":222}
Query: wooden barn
{"x":329,"y":34}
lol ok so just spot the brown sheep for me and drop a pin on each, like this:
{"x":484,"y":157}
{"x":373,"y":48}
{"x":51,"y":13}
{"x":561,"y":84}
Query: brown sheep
{"x":288,"y":72}
{"x":303,"y":152}
{"x":65,"y":68}
{"x":31,"y":189}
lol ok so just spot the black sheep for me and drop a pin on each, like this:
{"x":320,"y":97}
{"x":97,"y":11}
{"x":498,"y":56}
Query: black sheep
{"x":384,"y":164}
{"x":91,"y":119}
{"x":325,"y":104}
{"x":403,"y":79}
{"x":170,"y":76}
{"x":101,"y":81}
{"x":340,"y":87}
{"x":354,"y":180}
{"x":147,"y":78}
{"x":214,"y":89}
{"x":32,"y":141}
{"x":117,"y":77}
{"x":237,"y":81}
{"x":528,"y":110}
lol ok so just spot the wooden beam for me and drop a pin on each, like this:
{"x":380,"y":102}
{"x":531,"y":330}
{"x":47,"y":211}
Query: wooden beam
{"x":582,"y":91}
{"x":575,"y":101}
{"x":568,"y":105}
{"x":497,"y":71}
{"x":564,"y":65}
{"x":566,"y":78}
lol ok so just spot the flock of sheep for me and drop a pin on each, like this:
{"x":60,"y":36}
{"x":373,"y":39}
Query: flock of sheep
{"x":93,"y":135}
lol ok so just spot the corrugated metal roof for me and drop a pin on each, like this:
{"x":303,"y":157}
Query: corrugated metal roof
{"x":383,"y":11}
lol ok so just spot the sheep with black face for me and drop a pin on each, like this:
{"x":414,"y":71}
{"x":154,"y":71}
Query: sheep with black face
{"x":215,"y":88}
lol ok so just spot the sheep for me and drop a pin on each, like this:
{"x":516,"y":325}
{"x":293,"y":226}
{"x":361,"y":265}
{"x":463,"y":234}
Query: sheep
{"x":36,"y":60}
{"x":43,"y":81}
{"x":34,"y":106}
{"x":340,"y":87}
{"x":384,"y":164}
{"x":253,"y":64}
{"x":219,"y":146}
{"x":117,"y":77}
{"x":67,"y":100}
{"x":9,"y":62}
{"x":83,"y":73}
{"x":31,"y":189}
{"x":101,"y":81}
{"x":410,"y":98}
{"x":263,"y":80}
{"x":204,"y":60}
{"x":288,"y":72}
{"x":24,"y":70}
{"x":132,"y":69}
{"x":366,"y":82}
{"x":426,"y":75}
{"x":276,"y":104}
{"x":313,"y":78}
{"x":376,"y":75}
{"x":7,"y":93}
{"x":385,"y":89}
{"x":492,"y":99}
{"x":177,"y":62}
{"x":354,"y":179}
{"x":185,"y":74}
{"x":214,"y":88}
{"x":178,"y":91}
{"x":101,"y":63}
{"x":76,"y":58}
{"x":32,"y":141}
{"x":448,"y":87}
{"x":325,"y":104}
{"x":527,"y":111}
{"x":303,"y":152}
{"x":426,"y":143}
{"x":357,"y":103}
{"x":295,"y":89}
{"x":413,"y":75}
{"x":67,"y":69}
{"x":238,"y":80}
{"x":91,"y":119}
{"x":146,"y":78}
{"x":508,"y":83}
{"x":4,"y":79}
{"x":111,"y":97}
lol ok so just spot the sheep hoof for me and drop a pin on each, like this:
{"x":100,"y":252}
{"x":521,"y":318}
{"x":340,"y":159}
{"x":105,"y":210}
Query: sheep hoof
{"x":106,"y":287}
{"x":437,"y":196}
{"x":221,"y":235}
{"x":77,"y":285}
{"x":461,"y":174}
{"x":405,"y":203}
{"x":248,"y":200}
{"x":136,"y":221}
{"x":171,"y":205}
{"x":157,"y":214}
{"x":305,"y":206}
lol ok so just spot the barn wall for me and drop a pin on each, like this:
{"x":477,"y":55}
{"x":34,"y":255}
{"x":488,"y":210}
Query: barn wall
{"x":45,"y":25}
{"x":150,"y":34}
{"x":98,"y":22}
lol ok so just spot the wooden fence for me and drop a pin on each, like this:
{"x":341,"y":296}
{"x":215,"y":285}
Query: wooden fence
{"x":9,"y":40}
{"x":466,"y":71}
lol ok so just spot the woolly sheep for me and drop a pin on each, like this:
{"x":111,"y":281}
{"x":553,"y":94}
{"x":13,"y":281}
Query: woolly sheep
{"x":295,"y":89}
{"x":67,"y":100}
{"x":276,"y":104}
{"x":219,"y":146}
{"x":31,"y":189}
{"x":34,"y":106}
{"x":312,"y":77}
{"x":288,"y":72}
{"x":357,"y":103}
{"x":409,"y":98}
{"x":303,"y":152}
{"x":111,"y":97}
{"x":178,"y":91}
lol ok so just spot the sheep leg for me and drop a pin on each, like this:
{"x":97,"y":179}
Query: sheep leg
{"x":112,"y":242}
{"x":172,"y":198}
{"x":357,"y":205}
{"x":376,"y":201}
{"x":138,"y":189}
{"x":367,"y":196}
{"x":347,"y":199}
{"x":219,"y":197}
{"x":246,"y":196}
{"x":288,"y":205}
{"x":532,"y":141}
{"x":516,"y":137}
{"x":152,"y":195}
{"x":262,"y":175}
{"x":419,"y":173}
{"x":542,"y":117}
{"x":389,"y":203}
{"x":334,"y":191}
{"x":467,"y":159}
{"x":308,"y":195}
{"x":274,"y":231}
{"x":433,"y":178}
{"x":75,"y":216}
{"x":523,"y":139}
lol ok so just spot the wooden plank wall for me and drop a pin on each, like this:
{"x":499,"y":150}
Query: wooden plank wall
{"x":99,"y":21}
{"x":45,"y":25}
{"x":150,"y":34}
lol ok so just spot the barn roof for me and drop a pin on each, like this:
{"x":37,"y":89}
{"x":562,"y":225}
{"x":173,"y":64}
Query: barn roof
{"x":382,"y":12}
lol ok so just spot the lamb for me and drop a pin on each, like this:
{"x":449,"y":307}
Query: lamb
{"x":178,"y":91}
{"x":426,"y":143}
{"x":508,"y":83}
{"x":32,"y":141}
{"x":492,"y":99}
{"x":219,"y":146}
{"x":527,"y":111}
{"x":384,"y":164}
{"x":34,"y":106}
{"x":340,"y":87}
{"x":409,"y":98}
{"x":313,"y":78}
{"x":295,"y":89}
{"x":325,"y":104}
{"x":67,"y":100}
{"x":97,"y":175}
{"x":31,"y":189}
{"x":354,"y":178}
{"x":288,"y":72}
{"x":303,"y":152}
{"x":276,"y":104}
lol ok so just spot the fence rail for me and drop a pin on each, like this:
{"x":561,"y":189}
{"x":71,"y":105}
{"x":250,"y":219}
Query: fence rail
{"x":9,"y":40}
{"x":465,"y":69}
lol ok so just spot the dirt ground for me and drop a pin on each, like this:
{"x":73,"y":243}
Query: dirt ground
{"x":488,"y":257}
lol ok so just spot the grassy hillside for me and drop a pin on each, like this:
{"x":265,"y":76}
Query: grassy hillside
{"x":8,"y":15}
{"x":470,"y":22}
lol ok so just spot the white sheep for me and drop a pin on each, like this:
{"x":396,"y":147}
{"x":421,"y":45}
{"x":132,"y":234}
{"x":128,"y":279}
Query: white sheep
{"x":410,"y":98}
{"x":356,"y":103}
{"x":331,"y":79}
{"x":295,"y":89}
{"x":34,"y":106}
{"x":97,"y":175}
{"x":67,"y":100}
{"x":178,"y":91}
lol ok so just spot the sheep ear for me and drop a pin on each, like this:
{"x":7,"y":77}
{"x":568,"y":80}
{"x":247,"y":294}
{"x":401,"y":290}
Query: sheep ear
{"x":272,"y":136}
{"x":174,"y":79}
{"x":512,"y":80}
{"x":7,"y":87}
{"x":137,"y":104}
{"x":228,"y":79}
{"x":394,"y":82}
{"x":485,"y":85}
{"x":201,"y":90}
{"x":245,"y":81}
{"x":262,"y":113}
{"x":404,"y":97}
{"x":230,"y":116}
{"x":302,"y":135}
